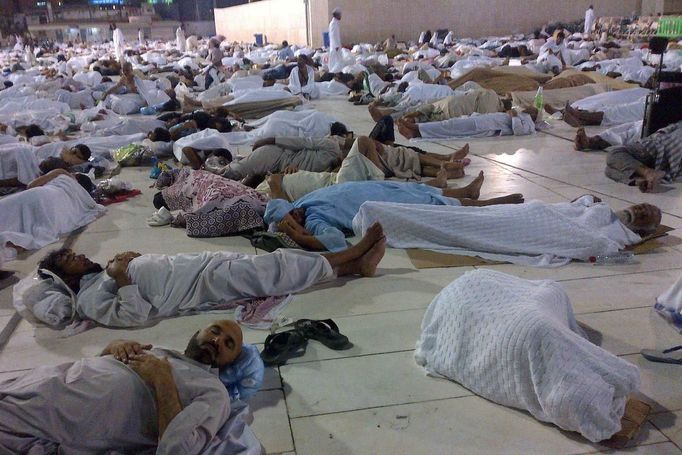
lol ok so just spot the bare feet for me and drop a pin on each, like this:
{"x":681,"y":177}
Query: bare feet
{"x":369,"y":262}
{"x":581,"y":141}
{"x":474,"y":188}
{"x":373,"y":234}
{"x":551,"y":110}
{"x":460,"y":154}
{"x":651,"y":179}
{"x":408,"y":128}
{"x":441,"y":179}
{"x":515,"y":198}
{"x":570,"y":117}
{"x":455,"y":170}
{"x":374,"y":111}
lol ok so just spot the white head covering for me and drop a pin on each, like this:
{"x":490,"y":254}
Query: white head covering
{"x":336,"y":10}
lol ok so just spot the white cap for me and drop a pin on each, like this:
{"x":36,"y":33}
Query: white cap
{"x":336,"y":10}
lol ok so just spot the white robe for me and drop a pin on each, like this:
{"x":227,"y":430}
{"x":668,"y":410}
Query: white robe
{"x":479,"y":125}
{"x":618,"y":106}
{"x":335,"y":57}
{"x":140,"y":36}
{"x":310,"y":88}
{"x":17,"y":161}
{"x":180,"y":40}
{"x":37,"y":217}
{"x":119,"y":43}
{"x":590,"y":20}
{"x":624,"y":134}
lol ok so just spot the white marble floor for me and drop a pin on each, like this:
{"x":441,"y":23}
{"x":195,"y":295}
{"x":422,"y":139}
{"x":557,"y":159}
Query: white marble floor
{"x":374,"y":399}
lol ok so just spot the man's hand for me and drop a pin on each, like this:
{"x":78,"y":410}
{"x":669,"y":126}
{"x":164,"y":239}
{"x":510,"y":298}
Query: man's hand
{"x":262,"y":142}
{"x":290,"y":169}
{"x":123,"y":350}
{"x":153,"y":370}
{"x":290,"y":227}
{"x":117,"y":268}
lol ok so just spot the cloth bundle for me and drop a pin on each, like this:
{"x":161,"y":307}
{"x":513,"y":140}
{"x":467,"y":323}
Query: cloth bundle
{"x":517,"y":343}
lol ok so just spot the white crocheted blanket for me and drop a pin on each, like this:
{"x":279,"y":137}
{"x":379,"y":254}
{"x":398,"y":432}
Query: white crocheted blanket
{"x":534,"y":233}
{"x":517,"y":343}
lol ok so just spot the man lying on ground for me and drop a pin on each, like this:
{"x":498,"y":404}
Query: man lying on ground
{"x":153,"y":400}
{"x":319,"y":220}
{"x":605,"y":109}
{"x":19,"y":165}
{"x":54,"y":204}
{"x":135,"y":290}
{"x":507,"y":123}
{"x":534,"y":233}
{"x":625,"y":134}
{"x":649,"y":161}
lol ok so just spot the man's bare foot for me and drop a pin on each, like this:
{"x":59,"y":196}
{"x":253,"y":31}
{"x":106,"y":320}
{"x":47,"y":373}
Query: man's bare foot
{"x":570,"y":117}
{"x":460,"y":154}
{"x":408,"y":128}
{"x":651,"y":179}
{"x":370,"y":261}
{"x":551,"y":110}
{"x":474,"y":187}
{"x":373,"y":234}
{"x":581,"y":141}
{"x":374,"y":111}
{"x":441,"y":179}
{"x":516,"y":198}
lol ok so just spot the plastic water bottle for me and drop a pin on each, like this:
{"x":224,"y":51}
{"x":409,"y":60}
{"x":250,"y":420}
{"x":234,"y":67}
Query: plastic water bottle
{"x":539,"y":103}
{"x":622,"y":257}
{"x":151,"y":110}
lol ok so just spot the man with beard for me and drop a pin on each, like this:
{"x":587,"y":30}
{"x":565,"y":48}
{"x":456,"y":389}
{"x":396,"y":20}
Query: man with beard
{"x":135,"y":289}
{"x":131,"y":399}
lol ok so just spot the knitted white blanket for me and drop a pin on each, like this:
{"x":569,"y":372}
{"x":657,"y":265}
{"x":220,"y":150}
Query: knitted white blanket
{"x":517,"y":343}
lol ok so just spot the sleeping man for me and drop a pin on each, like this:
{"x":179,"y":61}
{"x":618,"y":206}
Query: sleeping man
{"x":153,"y":400}
{"x":319,"y":220}
{"x":134,"y":290}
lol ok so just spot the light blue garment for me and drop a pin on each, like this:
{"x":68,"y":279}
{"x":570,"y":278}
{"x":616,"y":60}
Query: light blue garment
{"x":245,"y":376}
{"x":330,"y":211}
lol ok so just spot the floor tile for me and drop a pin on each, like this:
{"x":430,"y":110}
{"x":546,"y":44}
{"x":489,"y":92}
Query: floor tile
{"x":387,"y":379}
{"x":270,"y":421}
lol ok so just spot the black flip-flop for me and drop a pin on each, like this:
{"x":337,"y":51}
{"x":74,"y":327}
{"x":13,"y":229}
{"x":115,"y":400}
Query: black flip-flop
{"x":665,"y":356}
{"x":280,"y":347}
{"x":326,"y":332}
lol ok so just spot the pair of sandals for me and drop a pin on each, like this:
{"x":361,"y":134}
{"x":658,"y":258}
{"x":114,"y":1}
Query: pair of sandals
{"x":672,"y":355}
{"x":162,"y":217}
{"x":282,"y":346}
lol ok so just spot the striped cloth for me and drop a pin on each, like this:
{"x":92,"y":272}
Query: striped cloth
{"x":666,"y":146}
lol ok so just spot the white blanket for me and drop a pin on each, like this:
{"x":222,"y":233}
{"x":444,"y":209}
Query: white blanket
{"x":534,"y":233}
{"x":517,"y":343}
{"x":669,"y":305}
{"x":37,"y":217}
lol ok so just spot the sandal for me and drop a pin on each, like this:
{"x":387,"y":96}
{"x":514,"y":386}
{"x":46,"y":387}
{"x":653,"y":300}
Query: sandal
{"x":326,"y":332}
{"x":672,"y":355}
{"x":280,"y":347}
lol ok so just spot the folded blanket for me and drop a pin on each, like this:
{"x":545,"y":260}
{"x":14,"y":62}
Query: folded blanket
{"x":517,"y":343}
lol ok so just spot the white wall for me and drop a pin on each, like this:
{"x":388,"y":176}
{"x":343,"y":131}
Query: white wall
{"x":278,"y":19}
{"x":375,"y":20}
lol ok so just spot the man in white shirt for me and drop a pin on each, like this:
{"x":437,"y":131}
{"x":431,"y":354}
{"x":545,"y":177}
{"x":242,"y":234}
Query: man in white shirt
{"x":119,"y":42}
{"x":180,"y":38}
{"x":335,"y":60}
{"x":590,"y":20}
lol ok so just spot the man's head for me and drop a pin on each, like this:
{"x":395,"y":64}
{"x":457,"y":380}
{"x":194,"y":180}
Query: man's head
{"x":337,"y":13}
{"x":643,"y":219}
{"x":285,"y":44}
{"x":302,"y":62}
{"x":218,"y":345}
{"x":159,"y":135}
{"x":32,"y":130}
{"x":338,"y":129}
{"x":68,"y":266}
{"x":591,"y":7}
{"x":78,"y":154}
{"x":113,"y":25}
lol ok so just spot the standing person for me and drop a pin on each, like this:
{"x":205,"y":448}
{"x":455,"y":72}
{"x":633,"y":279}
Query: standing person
{"x":180,"y":37}
{"x":335,"y":61}
{"x":119,"y":40}
{"x":140,"y":36}
{"x":589,"y":20}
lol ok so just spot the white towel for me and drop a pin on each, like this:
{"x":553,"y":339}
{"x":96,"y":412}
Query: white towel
{"x":517,"y":343}
{"x":534,"y":233}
